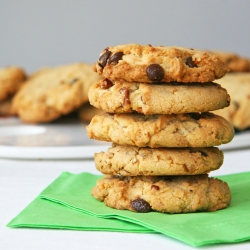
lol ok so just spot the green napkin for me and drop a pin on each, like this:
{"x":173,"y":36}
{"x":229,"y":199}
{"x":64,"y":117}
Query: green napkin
{"x":224,"y":226}
{"x":41,"y":213}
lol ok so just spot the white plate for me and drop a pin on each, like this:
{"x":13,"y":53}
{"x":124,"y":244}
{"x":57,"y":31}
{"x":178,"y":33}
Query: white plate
{"x":64,"y":139}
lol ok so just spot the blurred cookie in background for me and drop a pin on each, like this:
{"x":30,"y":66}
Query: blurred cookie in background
{"x":234,"y":62}
{"x":6,"y":108}
{"x":86,"y":112}
{"x":52,"y":92}
{"x":11,"y":80}
{"x":238,"y":87}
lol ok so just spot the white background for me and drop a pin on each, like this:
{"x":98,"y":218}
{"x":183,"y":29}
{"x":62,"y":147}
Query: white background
{"x":35,"y":34}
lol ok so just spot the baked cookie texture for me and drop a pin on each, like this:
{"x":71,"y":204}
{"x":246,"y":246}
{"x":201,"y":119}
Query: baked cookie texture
{"x":148,"y":64}
{"x":157,"y":102}
{"x":238,"y":86}
{"x":52,"y":92}
{"x":159,"y":98}
{"x":185,"y":130}
{"x":234,"y":62}
{"x":167,"y":194}
{"x":11,"y":79}
{"x":134,"y":161}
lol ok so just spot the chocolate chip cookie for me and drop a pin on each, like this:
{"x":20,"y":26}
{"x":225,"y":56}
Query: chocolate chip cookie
{"x":159,"y":98}
{"x":149,"y":64}
{"x":11,"y":79}
{"x":133,"y":161}
{"x":53,"y":92}
{"x":166,"y":194}
{"x":238,"y":86}
{"x":184,"y":130}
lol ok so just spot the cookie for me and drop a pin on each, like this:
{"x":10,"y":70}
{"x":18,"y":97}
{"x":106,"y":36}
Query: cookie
{"x":238,"y":86}
{"x":6,"y":108}
{"x":234,"y":62}
{"x":165,"y":98}
{"x":183,"y":130}
{"x":53,"y":92}
{"x":11,"y":79}
{"x":166,"y":194}
{"x":133,"y":161}
{"x":149,"y":64}
{"x":86,"y":112}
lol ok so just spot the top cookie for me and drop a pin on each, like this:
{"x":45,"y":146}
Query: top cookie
{"x":52,"y":92}
{"x":11,"y":79}
{"x":149,"y":64}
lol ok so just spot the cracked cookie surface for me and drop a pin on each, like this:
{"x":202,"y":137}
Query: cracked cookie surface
{"x":185,"y":130}
{"x":148,"y":64}
{"x":52,"y":92}
{"x":167,"y":194}
{"x":167,"y":98}
{"x":133,"y":161}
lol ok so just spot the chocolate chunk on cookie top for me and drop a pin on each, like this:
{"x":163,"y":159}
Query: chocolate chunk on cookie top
{"x":149,"y":64}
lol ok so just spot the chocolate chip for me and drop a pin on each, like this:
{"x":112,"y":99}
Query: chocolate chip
{"x":115,"y":58}
{"x":203,"y":153}
{"x":104,"y":58}
{"x":141,"y":206}
{"x":155,"y":72}
{"x":126,"y":100}
{"x":190,"y":63}
{"x":106,"y":84}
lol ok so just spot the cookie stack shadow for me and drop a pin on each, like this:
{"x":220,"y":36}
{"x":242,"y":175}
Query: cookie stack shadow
{"x":157,"y":102}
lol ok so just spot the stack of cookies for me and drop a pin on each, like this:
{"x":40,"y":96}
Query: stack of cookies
{"x":157,"y":102}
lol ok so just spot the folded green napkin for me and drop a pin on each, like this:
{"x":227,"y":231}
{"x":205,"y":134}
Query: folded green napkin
{"x":224,"y":226}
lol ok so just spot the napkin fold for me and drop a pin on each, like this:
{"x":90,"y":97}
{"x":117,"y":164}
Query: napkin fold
{"x":69,"y":204}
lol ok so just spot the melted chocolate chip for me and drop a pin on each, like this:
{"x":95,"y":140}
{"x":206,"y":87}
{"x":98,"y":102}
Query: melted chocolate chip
{"x":106,"y":84}
{"x":155,"y":72}
{"x":190,"y":63}
{"x":141,"y":206}
{"x":203,"y":153}
{"x":115,"y":58}
{"x":104,"y":58}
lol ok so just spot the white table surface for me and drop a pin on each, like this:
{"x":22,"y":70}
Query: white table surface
{"x":22,"y":180}
{"x":23,"y":176}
